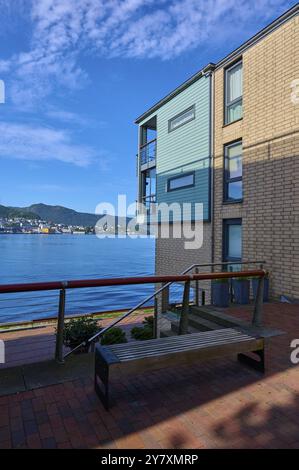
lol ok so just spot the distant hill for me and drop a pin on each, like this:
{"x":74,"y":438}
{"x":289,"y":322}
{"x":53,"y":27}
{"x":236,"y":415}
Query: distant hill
{"x":15,"y":212}
{"x":58,"y":215}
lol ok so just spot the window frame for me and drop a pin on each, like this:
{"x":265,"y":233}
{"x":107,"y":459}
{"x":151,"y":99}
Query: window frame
{"x":226,"y":179}
{"x":181,"y":114}
{"x":235,"y":101}
{"x":172,"y":178}
{"x":226,"y":223}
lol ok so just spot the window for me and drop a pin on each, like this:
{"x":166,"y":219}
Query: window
{"x":179,"y":182}
{"x":181,"y":119}
{"x":233,"y":172}
{"x":232,"y":242}
{"x":233,"y":93}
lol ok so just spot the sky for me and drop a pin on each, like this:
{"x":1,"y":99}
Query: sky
{"x":78,"y":72}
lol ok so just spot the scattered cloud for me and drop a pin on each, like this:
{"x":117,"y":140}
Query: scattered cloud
{"x":69,"y":117}
{"x":28,"y":142}
{"x":64,"y":30}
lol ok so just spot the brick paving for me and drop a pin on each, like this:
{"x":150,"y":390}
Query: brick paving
{"x":216,"y":404}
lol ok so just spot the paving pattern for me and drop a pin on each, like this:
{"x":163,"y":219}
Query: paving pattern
{"x":216,"y":404}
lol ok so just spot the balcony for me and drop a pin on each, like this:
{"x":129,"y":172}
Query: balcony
{"x":148,"y":153}
{"x":148,"y":202}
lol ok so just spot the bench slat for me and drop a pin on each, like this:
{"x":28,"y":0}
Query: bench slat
{"x":187,"y":356}
{"x":177,"y":340}
{"x":159,"y":347}
{"x":158,"y":352}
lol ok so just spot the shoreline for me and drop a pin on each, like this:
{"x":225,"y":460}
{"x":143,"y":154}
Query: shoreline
{"x":43,"y":322}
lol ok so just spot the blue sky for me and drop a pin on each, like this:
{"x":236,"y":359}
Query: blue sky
{"x":78,"y":72}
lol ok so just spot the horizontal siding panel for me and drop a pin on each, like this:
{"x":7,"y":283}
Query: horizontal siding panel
{"x":186,"y":148}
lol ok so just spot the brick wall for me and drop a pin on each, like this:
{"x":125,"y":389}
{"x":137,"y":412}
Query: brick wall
{"x":270,"y":133}
{"x":173,"y":258}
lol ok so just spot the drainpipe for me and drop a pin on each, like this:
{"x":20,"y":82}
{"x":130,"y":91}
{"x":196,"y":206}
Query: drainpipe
{"x":209,"y":72}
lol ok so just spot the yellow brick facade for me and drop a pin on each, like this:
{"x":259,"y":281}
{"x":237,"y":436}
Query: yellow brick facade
{"x":269,"y":131}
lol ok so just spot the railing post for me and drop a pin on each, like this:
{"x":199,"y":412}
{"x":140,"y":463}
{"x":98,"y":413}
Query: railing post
{"x":197,"y":289}
{"x":258,"y":304}
{"x":203,"y":297}
{"x":165,"y":298}
{"x":60,"y":327}
{"x":183,"y":328}
{"x":157,"y":315}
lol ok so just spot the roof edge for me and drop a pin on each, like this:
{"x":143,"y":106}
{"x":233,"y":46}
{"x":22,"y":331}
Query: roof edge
{"x":287,"y":15}
{"x":202,"y":72}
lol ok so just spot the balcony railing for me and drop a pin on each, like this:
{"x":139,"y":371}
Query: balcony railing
{"x":147,"y":201}
{"x":148,"y":152}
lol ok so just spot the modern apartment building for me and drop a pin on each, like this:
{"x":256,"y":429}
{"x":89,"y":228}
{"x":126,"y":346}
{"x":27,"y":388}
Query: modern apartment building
{"x":229,"y":138}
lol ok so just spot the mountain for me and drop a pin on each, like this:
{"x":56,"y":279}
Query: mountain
{"x":15,"y":212}
{"x":59,"y":215}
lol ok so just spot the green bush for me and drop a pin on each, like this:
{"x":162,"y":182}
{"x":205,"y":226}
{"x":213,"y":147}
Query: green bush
{"x":144,"y":332}
{"x":114,"y":336}
{"x":78,"y":330}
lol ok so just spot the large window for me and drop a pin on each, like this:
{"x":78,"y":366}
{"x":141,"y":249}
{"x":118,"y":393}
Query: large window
{"x":233,"y":93}
{"x":232,"y":242}
{"x":181,"y":119}
{"x":180,"y":182}
{"x":233,"y":172}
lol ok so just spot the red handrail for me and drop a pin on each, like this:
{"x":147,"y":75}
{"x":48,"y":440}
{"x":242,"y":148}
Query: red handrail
{"x":122,"y":281}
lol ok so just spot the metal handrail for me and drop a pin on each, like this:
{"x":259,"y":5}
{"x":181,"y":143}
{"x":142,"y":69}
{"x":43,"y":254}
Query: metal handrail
{"x":148,"y":143}
{"x":178,"y":278}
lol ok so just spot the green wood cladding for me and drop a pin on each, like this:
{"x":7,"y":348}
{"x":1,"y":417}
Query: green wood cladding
{"x":186,"y":148}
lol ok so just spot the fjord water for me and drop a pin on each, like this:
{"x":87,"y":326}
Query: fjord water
{"x":38,"y":258}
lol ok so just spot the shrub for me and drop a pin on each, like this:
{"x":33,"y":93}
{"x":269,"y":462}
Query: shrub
{"x":78,"y":330}
{"x":144,"y":332}
{"x":114,"y":336}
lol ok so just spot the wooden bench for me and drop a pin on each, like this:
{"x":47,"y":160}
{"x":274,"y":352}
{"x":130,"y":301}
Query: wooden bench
{"x":131,"y":358}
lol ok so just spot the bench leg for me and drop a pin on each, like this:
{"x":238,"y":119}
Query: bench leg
{"x":250,"y":361}
{"x":101,"y":383}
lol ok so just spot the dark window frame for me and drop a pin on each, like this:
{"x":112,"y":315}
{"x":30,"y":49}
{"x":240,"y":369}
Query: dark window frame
{"x":226,"y":178}
{"x":237,"y":100}
{"x":172,"y":178}
{"x":181,"y":114}
{"x":226,"y":223}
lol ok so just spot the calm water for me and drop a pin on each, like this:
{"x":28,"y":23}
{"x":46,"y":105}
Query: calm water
{"x":30,"y":258}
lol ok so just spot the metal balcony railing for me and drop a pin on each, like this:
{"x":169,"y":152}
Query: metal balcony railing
{"x":148,"y":152}
{"x":147,"y":201}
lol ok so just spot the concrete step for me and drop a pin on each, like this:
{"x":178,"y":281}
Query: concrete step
{"x":167,"y":333}
{"x":202,"y":324}
{"x":171,"y":316}
{"x":191,"y":329}
{"x":217,"y":316}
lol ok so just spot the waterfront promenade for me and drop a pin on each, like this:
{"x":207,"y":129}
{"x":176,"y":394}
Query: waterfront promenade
{"x":217,"y":404}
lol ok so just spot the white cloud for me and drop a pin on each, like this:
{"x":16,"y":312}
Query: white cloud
{"x":25,"y":142}
{"x":75,"y":119}
{"x":64,"y":30}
